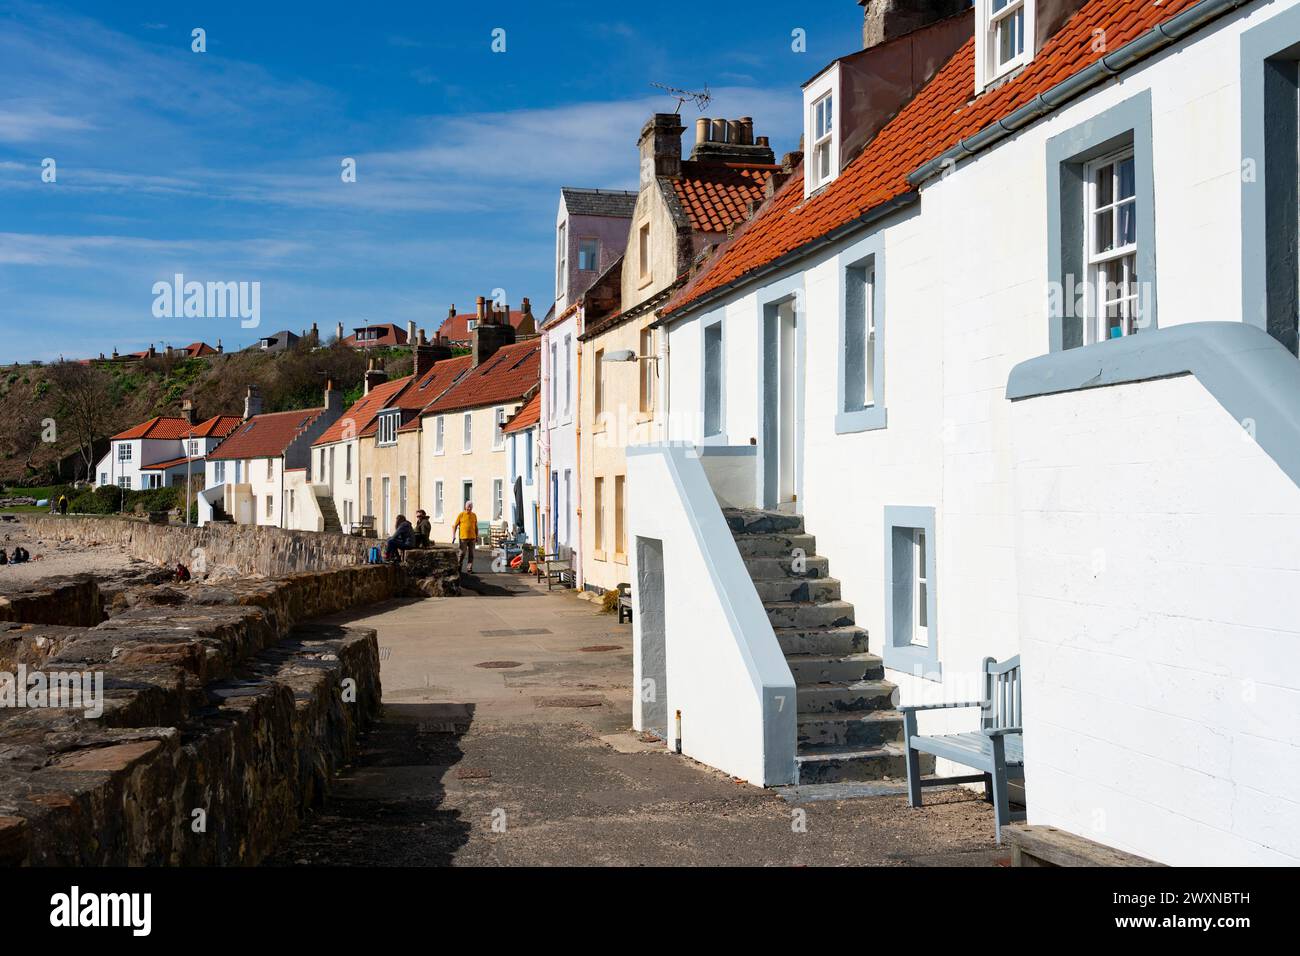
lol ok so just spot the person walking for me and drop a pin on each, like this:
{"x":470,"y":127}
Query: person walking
{"x":465,"y":531}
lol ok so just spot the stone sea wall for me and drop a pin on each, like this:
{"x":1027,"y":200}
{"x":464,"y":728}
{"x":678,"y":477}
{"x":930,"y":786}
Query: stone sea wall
{"x":225,"y":714}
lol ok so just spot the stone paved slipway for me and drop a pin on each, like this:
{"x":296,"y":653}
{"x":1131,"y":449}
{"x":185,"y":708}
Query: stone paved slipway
{"x":491,"y":766}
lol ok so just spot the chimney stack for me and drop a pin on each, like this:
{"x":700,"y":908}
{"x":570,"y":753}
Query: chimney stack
{"x":885,"y":20}
{"x":410,"y":332}
{"x":339,"y":332}
{"x":333,"y":401}
{"x":252,"y":402}
{"x":489,"y":336}
{"x":187,"y":411}
{"x":374,"y":376}
{"x":660,"y":145}
{"x":730,"y":141}
{"x":220,"y":348}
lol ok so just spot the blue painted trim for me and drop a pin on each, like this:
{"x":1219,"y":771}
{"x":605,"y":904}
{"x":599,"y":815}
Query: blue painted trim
{"x":898,"y":651}
{"x":1067,"y":154}
{"x":1248,"y":372}
{"x":1268,"y":137}
{"x":870,"y":250}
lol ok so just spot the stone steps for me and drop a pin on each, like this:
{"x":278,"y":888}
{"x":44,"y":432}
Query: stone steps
{"x":775,"y":545}
{"x":805,"y":615}
{"x":848,"y":729}
{"x":845,"y":697}
{"x":851,"y":764}
{"x":330,"y":513}
{"x":861,"y":729}
{"x":823,"y":669}
{"x":798,"y":590}
{"x":848,"y":639}
{"x":776,"y":568}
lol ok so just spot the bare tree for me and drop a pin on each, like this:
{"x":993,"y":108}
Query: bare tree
{"x":84,"y":397}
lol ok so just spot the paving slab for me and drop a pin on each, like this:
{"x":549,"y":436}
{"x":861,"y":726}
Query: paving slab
{"x":469,"y":767}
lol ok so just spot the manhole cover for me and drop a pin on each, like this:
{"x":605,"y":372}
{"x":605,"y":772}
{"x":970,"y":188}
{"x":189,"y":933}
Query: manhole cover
{"x":570,"y":701}
{"x":601,"y":647}
{"x":499,"y":664}
{"x":473,"y":773}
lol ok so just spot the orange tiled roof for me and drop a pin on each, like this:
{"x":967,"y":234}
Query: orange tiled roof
{"x":715,"y":196}
{"x":159,"y":428}
{"x":266,"y":436}
{"x":219,"y":426}
{"x":435,"y":382}
{"x":934,"y":120}
{"x":527,"y":416}
{"x":362,"y":412}
{"x":455,"y":328}
{"x":505,"y":377}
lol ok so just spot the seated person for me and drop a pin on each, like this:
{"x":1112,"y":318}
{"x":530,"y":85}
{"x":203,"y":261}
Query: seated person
{"x":423,"y":530}
{"x":182,"y":572}
{"x":20,"y":555}
{"x":401,"y":539}
{"x":4,"y":558}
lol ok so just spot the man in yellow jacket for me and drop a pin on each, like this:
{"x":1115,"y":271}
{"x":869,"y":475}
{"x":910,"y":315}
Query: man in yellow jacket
{"x":465,"y":530}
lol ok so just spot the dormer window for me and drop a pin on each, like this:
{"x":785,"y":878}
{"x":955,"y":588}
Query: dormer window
{"x":823,"y":137}
{"x":821,"y":132}
{"x":1007,"y":28}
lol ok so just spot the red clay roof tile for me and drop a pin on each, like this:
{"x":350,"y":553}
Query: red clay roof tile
{"x":505,"y":377}
{"x":943,"y":113}
{"x":526,"y":417}
{"x":716,"y":196}
{"x":266,"y":436}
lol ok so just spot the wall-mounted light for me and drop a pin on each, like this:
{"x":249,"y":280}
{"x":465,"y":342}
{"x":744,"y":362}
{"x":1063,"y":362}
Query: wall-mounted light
{"x":627,"y":355}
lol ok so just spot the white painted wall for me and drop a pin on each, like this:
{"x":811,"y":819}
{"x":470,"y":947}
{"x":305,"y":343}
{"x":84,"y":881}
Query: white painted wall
{"x":965,"y":301}
{"x":725,"y":671}
{"x":517,"y":454}
{"x":1158,"y":554}
{"x":559,"y":432}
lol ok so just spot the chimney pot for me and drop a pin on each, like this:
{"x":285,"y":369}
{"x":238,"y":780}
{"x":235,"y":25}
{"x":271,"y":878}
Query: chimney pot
{"x":719,"y":134}
{"x":702,"y":126}
{"x":747,"y":130}
{"x":735,"y":131}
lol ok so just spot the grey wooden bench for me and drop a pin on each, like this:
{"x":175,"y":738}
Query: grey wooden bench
{"x":624,"y":602}
{"x":557,"y":570}
{"x":995,"y":749}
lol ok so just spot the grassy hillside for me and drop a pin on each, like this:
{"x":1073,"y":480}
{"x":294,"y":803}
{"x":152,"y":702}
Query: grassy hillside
{"x":46,"y":410}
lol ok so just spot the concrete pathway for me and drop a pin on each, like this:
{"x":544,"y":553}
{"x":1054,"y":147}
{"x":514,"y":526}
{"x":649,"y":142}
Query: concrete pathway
{"x":506,"y":741}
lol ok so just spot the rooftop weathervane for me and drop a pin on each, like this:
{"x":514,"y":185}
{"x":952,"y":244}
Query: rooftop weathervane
{"x":701,"y":100}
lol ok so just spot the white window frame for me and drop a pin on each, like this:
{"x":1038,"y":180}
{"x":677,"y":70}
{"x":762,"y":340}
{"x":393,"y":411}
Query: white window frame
{"x":561,"y":259}
{"x":437,"y":500}
{"x":401,"y":495}
{"x":820,"y":93}
{"x":125,"y":452}
{"x":920,"y":590}
{"x":648,"y":369}
{"x":568,"y":375}
{"x":644,"y":256}
{"x":439,"y":433}
{"x":498,"y":436}
{"x":987,"y":67}
{"x":387,"y":432}
{"x":584,"y":246}
{"x":498,"y":498}
{"x":1102,"y":266}
{"x":467,"y":434}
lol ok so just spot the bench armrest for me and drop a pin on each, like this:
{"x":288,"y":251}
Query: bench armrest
{"x":1001,"y":731}
{"x":912,"y":708}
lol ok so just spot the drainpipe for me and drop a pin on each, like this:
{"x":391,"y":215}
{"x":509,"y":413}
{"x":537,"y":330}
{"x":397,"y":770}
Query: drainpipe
{"x":577,"y":455}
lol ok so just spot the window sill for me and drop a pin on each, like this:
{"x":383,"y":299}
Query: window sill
{"x":620,"y":558}
{"x":719,"y":439}
{"x":862,"y":420}
{"x":598,"y":556}
{"x":914,"y":660}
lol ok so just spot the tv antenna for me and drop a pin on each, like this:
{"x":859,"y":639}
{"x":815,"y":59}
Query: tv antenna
{"x":701,"y":100}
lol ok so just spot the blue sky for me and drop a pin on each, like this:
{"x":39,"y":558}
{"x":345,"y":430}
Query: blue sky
{"x":225,"y":165}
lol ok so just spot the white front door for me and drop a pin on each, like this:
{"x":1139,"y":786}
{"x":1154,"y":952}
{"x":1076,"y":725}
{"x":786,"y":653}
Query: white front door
{"x":787,"y":402}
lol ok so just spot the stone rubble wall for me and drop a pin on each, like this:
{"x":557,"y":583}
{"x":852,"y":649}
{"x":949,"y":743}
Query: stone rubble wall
{"x":220,"y":699}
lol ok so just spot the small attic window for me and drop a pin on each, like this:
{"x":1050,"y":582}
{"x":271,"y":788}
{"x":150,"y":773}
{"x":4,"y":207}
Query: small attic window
{"x":1007,"y":28}
{"x":821,"y":131}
